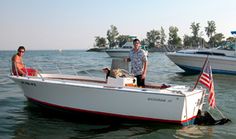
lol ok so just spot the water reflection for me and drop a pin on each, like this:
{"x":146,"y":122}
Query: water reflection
{"x":194,"y":132}
{"x":45,"y":123}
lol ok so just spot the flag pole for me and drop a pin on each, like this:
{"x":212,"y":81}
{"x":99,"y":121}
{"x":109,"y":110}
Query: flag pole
{"x":200,"y":73}
{"x":220,"y":112}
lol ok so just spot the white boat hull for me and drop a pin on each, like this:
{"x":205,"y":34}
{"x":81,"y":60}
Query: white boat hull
{"x":121,"y":53}
{"x":165,"y":105}
{"x":194,"y":62}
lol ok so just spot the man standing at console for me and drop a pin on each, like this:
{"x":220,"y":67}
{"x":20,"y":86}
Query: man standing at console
{"x":139,"y":63}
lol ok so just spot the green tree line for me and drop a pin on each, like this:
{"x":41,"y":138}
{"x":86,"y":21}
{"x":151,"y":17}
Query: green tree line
{"x":157,"y":38}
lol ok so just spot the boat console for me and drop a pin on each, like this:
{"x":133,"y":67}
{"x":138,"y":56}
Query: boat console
{"x":122,"y":81}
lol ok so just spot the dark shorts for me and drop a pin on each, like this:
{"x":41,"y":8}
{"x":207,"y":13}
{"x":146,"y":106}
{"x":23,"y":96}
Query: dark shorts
{"x":140,"y":81}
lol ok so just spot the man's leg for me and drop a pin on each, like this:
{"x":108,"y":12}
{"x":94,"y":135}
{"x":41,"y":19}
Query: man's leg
{"x":140,"y":81}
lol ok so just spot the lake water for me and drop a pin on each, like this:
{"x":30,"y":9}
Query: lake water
{"x":21,"y":120}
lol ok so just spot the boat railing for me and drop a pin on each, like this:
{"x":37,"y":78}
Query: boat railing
{"x":60,"y":68}
{"x":48,"y":67}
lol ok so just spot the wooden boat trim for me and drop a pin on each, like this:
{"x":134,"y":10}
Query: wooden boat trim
{"x":78,"y":79}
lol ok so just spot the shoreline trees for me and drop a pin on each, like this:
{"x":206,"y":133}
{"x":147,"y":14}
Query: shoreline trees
{"x":157,"y":38}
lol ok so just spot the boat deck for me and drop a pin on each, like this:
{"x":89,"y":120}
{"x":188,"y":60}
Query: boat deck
{"x":99,"y":81}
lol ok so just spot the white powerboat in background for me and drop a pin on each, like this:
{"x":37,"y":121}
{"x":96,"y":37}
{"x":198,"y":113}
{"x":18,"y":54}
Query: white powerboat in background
{"x":120,"y":52}
{"x":117,"y":97}
{"x":123,"y":51}
{"x":222,"y":59}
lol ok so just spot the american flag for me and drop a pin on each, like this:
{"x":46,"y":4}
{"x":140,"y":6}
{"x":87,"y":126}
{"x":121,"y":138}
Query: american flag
{"x":207,"y":80}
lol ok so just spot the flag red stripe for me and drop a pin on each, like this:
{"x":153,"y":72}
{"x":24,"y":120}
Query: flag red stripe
{"x":205,"y":83}
{"x":207,"y":80}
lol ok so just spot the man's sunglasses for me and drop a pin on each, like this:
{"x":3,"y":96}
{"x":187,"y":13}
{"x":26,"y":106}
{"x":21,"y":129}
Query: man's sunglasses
{"x":21,"y":51}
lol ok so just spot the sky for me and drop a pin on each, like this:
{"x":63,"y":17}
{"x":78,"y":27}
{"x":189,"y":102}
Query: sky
{"x":73,"y":24}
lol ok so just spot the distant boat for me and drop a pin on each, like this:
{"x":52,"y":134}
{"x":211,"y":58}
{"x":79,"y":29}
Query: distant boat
{"x":123,"y":51}
{"x":222,"y":59}
{"x":101,"y":49}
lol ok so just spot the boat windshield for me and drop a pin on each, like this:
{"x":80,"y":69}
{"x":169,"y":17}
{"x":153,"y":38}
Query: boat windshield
{"x":127,"y":47}
{"x":227,"y":46}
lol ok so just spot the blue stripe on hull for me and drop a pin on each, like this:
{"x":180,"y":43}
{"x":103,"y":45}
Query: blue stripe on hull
{"x":197,"y":70}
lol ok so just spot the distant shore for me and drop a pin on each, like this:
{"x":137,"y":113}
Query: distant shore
{"x":154,"y":49}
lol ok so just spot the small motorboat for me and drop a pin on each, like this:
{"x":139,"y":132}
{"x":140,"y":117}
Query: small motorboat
{"x":116,"y":97}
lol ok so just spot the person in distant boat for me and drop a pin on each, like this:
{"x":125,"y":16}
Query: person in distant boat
{"x":18,"y":67}
{"x":139,"y":63}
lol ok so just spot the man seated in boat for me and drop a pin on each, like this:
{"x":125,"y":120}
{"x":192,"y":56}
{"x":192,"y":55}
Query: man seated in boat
{"x":18,"y":67}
